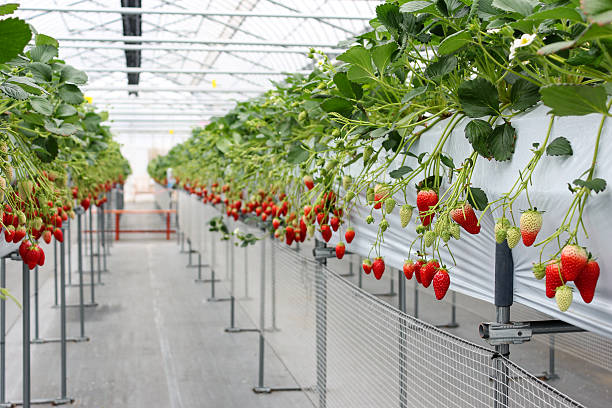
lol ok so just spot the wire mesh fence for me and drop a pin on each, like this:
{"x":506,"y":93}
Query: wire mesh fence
{"x":345,"y":347}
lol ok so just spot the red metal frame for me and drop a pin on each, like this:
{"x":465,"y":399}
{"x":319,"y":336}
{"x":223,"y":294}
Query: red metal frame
{"x":118,"y":229}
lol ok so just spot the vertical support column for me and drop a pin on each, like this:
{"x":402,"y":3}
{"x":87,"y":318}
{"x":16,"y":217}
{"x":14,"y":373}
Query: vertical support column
{"x":321,"y":326}
{"x":168,"y":226}
{"x":360,"y":276}
{"x":2,"y":334}
{"x":551,"y":358}
{"x":504,"y":288}
{"x":246,"y":272}
{"x":91,"y":260}
{"x":68,"y":230}
{"x":401,"y":299}
{"x":261,"y":388}
{"x":25,"y":338}
{"x":79,"y":212}
{"x":99,"y":242}
{"x":273,"y":277}
{"x":117,"y":217}
{"x":63,"y":370}
{"x":103,"y":236}
{"x":36,"y":331}
{"x":416,"y":299}
{"x":212,"y":267}
{"x":55,"y":301}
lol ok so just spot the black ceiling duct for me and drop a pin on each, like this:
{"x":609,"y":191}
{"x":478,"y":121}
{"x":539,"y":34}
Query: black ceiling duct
{"x":132,"y":27}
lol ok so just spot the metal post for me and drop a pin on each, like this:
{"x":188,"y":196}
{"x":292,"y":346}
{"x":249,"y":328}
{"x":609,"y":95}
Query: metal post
{"x":551,"y":358}
{"x":453,"y":322}
{"x":261,"y":388}
{"x":36,"y":337}
{"x":2,"y":334}
{"x":416,"y":299}
{"x":80,"y":265}
{"x":98,"y":244}
{"x":401,"y":291}
{"x":91,"y":260}
{"x":504,"y":286}
{"x":273,"y":275}
{"x":55,"y":272}
{"x":25,"y":340}
{"x":199,"y":267}
{"x":401,"y":299}
{"x":321,"y":326}
{"x":63,"y":388}
{"x":103,"y":236}
{"x":232,"y":328}
{"x":359,"y":278}
{"x":246,"y":273}
{"x":69,"y":251}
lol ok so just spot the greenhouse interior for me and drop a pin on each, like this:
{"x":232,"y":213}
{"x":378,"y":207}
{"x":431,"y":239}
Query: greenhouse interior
{"x":324,"y":203}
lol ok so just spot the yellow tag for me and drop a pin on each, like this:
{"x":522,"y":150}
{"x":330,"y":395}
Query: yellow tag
{"x":89,"y":99}
{"x":171,"y":131}
{"x":214,"y":83}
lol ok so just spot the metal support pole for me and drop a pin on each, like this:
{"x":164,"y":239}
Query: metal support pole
{"x":36,"y":331}
{"x":2,"y":335}
{"x":69,"y":251}
{"x":273,"y":276}
{"x":98,"y":244}
{"x":91,"y":260}
{"x":232,"y":328}
{"x":359,"y":277}
{"x":550,"y":374}
{"x":25,"y":340}
{"x":103,"y":236}
{"x":213,"y":280}
{"x":504,"y":286}
{"x":416,"y":299}
{"x":55,"y":273}
{"x":321,"y":326}
{"x":63,"y":371}
{"x":261,"y":388}
{"x":401,"y":291}
{"x":190,"y":252}
{"x":199,"y":268}
{"x":453,"y":322}
{"x":80,"y":265}
{"x":401,"y":298}
{"x":246,"y":273}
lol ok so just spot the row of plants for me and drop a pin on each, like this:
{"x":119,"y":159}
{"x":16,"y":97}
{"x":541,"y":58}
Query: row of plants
{"x":307,"y":153}
{"x":54,"y":148}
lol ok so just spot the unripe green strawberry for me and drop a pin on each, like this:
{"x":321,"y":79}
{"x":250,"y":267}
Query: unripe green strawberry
{"x":311,"y":230}
{"x":564,"y":297}
{"x":405,"y":214}
{"x":420,"y":229}
{"x":384,"y":224}
{"x":389,"y":205}
{"x":445,"y":235}
{"x":367,"y":154}
{"x":539,"y":270}
{"x":531,"y":223}
{"x":37,"y":223}
{"x":346,"y":182}
{"x":22,"y":217}
{"x":500,"y":235}
{"x":302,"y":116}
{"x":335,"y":133}
{"x":455,"y":230}
{"x":513,"y":235}
{"x":501,"y":227}
{"x":370,"y":196}
{"x":429,"y":238}
{"x":350,"y":195}
{"x":369,"y":219}
{"x":331,"y":165}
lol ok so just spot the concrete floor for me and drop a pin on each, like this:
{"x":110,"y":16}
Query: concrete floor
{"x":156,"y":342}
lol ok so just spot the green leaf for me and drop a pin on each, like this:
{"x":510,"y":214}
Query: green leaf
{"x":65,"y":129}
{"x":224,"y":145}
{"x":556,"y":13}
{"x":344,"y":85}
{"x":477,"y":198}
{"x":556,"y":47}
{"x":42,"y":39}
{"x":400,"y":172}
{"x":413,"y":6}
{"x":43,"y":53}
{"x":413,"y":93}
{"x":8,"y":8}
{"x":503,"y":140}
{"x":447,"y":161}
{"x":597,"y":184}
{"x":523,"y":7}
{"x":524,"y":94}
{"x":381,"y":55}
{"x":41,"y":105}
{"x":478,"y":97}
{"x":574,"y":100}
{"x":444,"y":66}
{"x":65,"y":110}
{"x":71,"y":94}
{"x":71,"y":75}
{"x":454,"y":42}
{"x":389,"y":15}
{"x":40,"y":72}
{"x":559,"y":147}
{"x":27,"y":84}
{"x":393,"y":142}
{"x":13,"y":91}
{"x":92,"y":121}
{"x":360,"y":63}
{"x":597,"y":11}
{"x":45,"y":148}
{"x":337,"y":104}
{"x":15,"y":35}
{"x":297,"y":154}
{"x":33,"y":118}
{"x":478,"y":132}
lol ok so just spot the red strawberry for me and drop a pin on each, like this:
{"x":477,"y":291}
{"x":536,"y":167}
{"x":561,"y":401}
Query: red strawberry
{"x":417,"y":269}
{"x":426,"y":198}
{"x":309,"y":182}
{"x":587,"y":280}
{"x":20,"y":233}
{"x":428,"y":271}
{"x":275,"y":223}
{"x":378,"y":267}
{"x":326,"y":232}
{"x":9,"y":233}
{"x":264,"y":217}
{"x":322,"y":218}
{"x":367,"y":266}
{"x":303,"y":227}
{"x":531,"y":223}
{"x":408,"y":268}
{"x":23,"y":248}
{"x":85,"y":203}
{"x":466,"y":217}
{"x":307,"y":210}
{"x":378,"y":200}
{"x":553,"y":279}
{"x":573,"y":261}
{"x":41,"y":256}
{"x":441,"y":282}
{"x":349,"y":235}
{"x":58,"y":234}
{"x":335,"y":223}
{"x":340,"y":249}
{"x":46,"y":236}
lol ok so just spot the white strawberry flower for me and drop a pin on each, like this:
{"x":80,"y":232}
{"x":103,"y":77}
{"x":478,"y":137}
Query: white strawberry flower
{"x":524,"y":41}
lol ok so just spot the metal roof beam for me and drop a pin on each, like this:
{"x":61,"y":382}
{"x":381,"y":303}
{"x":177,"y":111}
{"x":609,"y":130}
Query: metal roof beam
{"x":208,"y":13}
{"x":192,"y":49}
{"x":173,"y":89}
{"x":188,"y":71}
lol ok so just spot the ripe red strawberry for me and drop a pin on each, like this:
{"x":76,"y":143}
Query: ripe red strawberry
{"x":264,"y":217}
{"x":408,"y":268}
{"x":326,"y":232}
{"x":46,"y":236}
{"x":275,"y":223}
{"x":417,"y":269}
{"x":466,"y":217}
{"x":41,"y":257}
{"x":85,"y":203}
{"x":587,"y":281}
{"x":426,"y":199}
{"x":58,"y":234}
{"x":340,"y":249}
{"x":367,"y":266}
{"x":378,"y":200}
{"x":378,"y":267}
{"x":303,"y":227}
{"x":553,"y":279}
{"x":335,"y":223}
{"x":441,"y":282}
{"x":9,"y":233}
{"x":428,"y":271}
{"x":307,"y":210}
{"x":289,"y":235}
{"x":309,"y":182}
{"x":573,"y":261}
{"x":20,"y":233}
{"x":531,"y":223}
{"x":322,"y":218}
{"x":349,"y":235}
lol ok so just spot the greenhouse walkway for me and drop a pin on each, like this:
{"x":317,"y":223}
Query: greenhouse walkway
{"x":155,"y":341}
